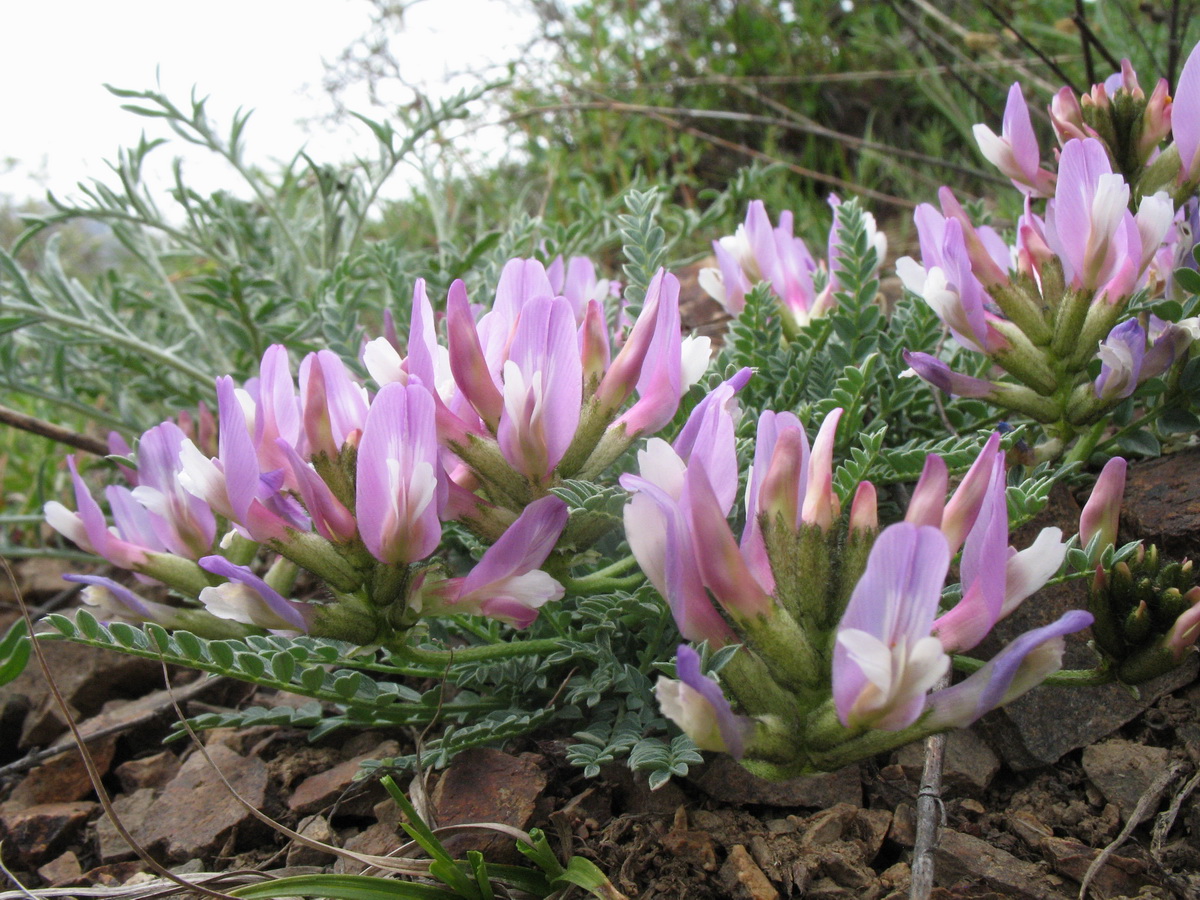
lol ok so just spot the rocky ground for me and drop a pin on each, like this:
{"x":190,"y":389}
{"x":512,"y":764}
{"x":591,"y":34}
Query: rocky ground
{"x":1033,"y":794}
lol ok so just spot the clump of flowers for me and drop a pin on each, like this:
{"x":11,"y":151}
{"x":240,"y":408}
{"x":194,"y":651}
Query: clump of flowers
{"x":840,"y":627}
{"x":1054,"y":310}
{"x":760,"y":252}
{"x":354,"y":485}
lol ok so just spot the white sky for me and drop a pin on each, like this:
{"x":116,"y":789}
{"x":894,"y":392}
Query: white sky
{"x":58,"y":124}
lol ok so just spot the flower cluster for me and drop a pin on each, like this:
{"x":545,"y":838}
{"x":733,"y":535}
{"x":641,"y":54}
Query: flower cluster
{"x":758,"y":252}
{"x":841,"y":632}
{"x":353,"y":485}
{"x":1052,"y":309}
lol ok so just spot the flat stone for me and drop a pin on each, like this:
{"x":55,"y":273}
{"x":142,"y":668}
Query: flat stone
{"x":38,"y":833}
{"x":131,"y":809}
{"x":970,"y":764}
{"x":1123,"y":771}
{"x":147,"y":771}
{"x":1040,"y":727}
{"x":1162,"y":503}
{"x":726,"y":781}
{"x":375,"y":840}
{"x":743,"y":879}
{"x":61,"y":870}
{"x":1119,"y":876}
{"x":828,"y":826}
{"x":485,"y":785}
{"x":337,"y":787}
{"x":88,"y":677}
{"x":961,"y":858}
{"x":198,"y":797}
{"x":314,"y":828}
{"x":62,"y":778}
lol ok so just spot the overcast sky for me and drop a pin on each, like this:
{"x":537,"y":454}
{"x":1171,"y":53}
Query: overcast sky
{"x":59,"y":123}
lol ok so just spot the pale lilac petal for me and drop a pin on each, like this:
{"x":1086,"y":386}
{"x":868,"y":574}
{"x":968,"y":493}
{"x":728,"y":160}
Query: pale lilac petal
{"x":399,"y":477}
{"x":1027,"y":571}
{"x":819,"y":499}
{"x":933,"y":371}
{"x":659,"y":384}
{"x":1101,"y":514}
{"x":330,"y":517}
{"x":1022,"y":665}
{"x":543,"y":389}
{"x":964,"y":507}
{"x":984,"y":557}
{"x":1185,"y":115}
{"x":669,"y":557}
{"x":722,"y":566}
{"x":102,"y":592}
{"x":733,"y":729}
{"x":928,"y":498}
{"x":275,"y":607}
{"x":523,"y":547}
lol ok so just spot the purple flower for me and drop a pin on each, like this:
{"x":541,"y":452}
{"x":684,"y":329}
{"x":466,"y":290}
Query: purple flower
{"x":933,"y":371}
{"x":400,"y":485}
{"x":1101,"y":514}
{"x":186,"y":525}
{"x":333,"y":405}
{"x":1089,"y":225}
{"x":1019,"y":667}
{"x":248,"y":599}
{"x":115,"y":601}
{"x":1185,"y":117}
{"x":885,"y":660}
{"x":506,"y":583}
{"x":543,"y":389}
{"x":89,"y":530}
{"x":696,"y":704}
{"x":1015,"y":152}
{"x":1121,"y":355}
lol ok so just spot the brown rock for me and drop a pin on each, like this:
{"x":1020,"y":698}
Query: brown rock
{"x":131,"y":809}
{"x":41,"y":576}
{"x":376,"y":840}
{"x":962,"y":858}
{"x":694,"y":847}
{"x":314,"y":828}
{"x":337,"y":787}
{"x":724,"y":780}
{"x":743,"y":879}
{"x":970,"y":765}
{"x":828,"y":826}
{"x":1162,"y":503}
{"x":198,"y":797}
{"x":1118,"y":877}
{"x":87,"y":677}
{"x":871,"y":826}
{"x":62,"y":778}
{"x":1028,"y":827}
{"x":1123,"y":771}
{"x":37,"y":833}
{"x":148,"y":771}
{"x":903,"y":830}
{"x":62,"y":870}
{"x":484,"y":785}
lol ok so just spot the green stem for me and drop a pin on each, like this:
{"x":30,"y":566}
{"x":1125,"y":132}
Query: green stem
{"x":1072,"y":677}
{"x":1086,"y":444}
{"x":489,"y":653}
{"x":592,"y":584}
